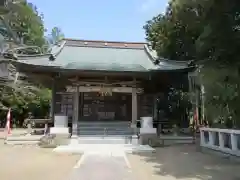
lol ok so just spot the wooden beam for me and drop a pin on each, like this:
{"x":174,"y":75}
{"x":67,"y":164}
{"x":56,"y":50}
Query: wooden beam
{"x":99,"y":88}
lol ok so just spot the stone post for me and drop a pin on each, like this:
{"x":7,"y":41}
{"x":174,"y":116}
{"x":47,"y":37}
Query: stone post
{"x":75,"y":113}
{"x":29,"y":124}
{"x":234,"y":142}
{"x":221,"y":140}
{"x":211,"y":137}
{"x":202,"y":138}
{"x":134,"y":116}
{"x":29,"y":128}
{"x":60,"y":121}
{"x":45,"y":128}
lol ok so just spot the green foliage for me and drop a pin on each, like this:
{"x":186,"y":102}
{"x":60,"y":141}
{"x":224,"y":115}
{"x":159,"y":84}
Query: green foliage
{"x":173,"y":34}
{"x":206,"y":31}
{"x":23,"y":100}
{"x":56,"y":35}
{"x":28,"y":23}
{"x":21,"y":96}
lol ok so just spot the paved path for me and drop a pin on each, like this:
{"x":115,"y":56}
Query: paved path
{"x":102,"y":167}
{"x":102,"y":163}
{"x":182,"y":162}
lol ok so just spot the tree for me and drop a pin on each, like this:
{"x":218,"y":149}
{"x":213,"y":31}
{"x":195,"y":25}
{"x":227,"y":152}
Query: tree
{"x":27,"y":22}
{"x":219,"y":40}
{"x":53,"y":38}
{"x":208,"y":32}
{"x":22,"y":96}
{"x":56,"y":35}
{"x":219,"y":44}
{"x":174,"y":33}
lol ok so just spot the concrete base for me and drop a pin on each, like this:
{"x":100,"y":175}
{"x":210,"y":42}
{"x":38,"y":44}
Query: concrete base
{"x":135,"y":140}
{"x":104,"y":140}
{"x":171,"y":139}
{"x":74,"y":140}
{"x":148,"y":139}
{"x":220,"y":154}
{"x":148,"y":131}
{"x":96,"y":148}
{"x":61,"y":135}
{"x":59,"y":130}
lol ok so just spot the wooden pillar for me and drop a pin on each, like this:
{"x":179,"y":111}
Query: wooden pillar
{"x":195,"y":93}
{"x":134,"y":106}
{"x":192,"y":91}
{"x":75,"y":112}
{"x":155,"y":104}
{"x":53,"y":101}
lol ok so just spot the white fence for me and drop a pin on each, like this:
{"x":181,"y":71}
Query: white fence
{"x":224,"y":140}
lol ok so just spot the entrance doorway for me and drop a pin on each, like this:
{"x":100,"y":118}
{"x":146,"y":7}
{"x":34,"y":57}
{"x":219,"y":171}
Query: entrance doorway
{"x":95,"y":107}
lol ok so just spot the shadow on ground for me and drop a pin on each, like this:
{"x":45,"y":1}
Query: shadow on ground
{"x":187,"y":162}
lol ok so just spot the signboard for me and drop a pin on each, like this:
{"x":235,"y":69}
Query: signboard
{"x":102,"y":89}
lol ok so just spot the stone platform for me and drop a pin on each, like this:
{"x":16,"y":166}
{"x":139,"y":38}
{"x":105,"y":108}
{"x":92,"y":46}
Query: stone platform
{"x":103,"y":140}
{"x":104,"y":148}
{"x":23,"y":140}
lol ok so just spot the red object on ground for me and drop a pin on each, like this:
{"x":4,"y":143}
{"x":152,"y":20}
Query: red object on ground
{"x":196,"y":117}
{"x":8,"y":127}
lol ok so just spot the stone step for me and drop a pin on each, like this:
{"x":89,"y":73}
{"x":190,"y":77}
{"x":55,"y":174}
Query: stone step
{"x":103,"y":128}
{"x":104,"y":137}
{"x":171,"y":140}
{"x":23,"y":140}
{"x":104,"y":124}
{"x":88,"y":132}
{"x":104,"y":140}
{"x":105,"y":131}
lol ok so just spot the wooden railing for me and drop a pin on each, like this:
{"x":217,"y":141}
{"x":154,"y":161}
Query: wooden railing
{"x":226,"y":141}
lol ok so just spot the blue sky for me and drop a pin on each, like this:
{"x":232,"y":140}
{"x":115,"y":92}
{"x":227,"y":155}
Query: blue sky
{"x":116,"y":20}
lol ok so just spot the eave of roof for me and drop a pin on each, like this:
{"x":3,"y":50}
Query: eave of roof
{"x":43,"y":63}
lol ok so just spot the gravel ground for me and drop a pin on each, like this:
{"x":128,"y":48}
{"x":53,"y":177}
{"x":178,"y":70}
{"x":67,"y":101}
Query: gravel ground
{"x":14,"y":132}
{"x":182,"y":162}
{"x":33,"y":163}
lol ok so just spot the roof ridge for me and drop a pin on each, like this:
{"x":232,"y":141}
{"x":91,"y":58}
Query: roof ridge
{"x":57,"y":48}
{"x":174,"y":61}
{"x":152,"y":53}
{"x":104,"y":41}
{"x":108,"y":47}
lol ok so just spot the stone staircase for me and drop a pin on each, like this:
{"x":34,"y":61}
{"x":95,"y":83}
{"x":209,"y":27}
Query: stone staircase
{"x":118,"y":128}
{"x":114,"y":132}
{"x":23,"y":140}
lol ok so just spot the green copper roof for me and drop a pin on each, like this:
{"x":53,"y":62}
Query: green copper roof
{"x":99,"y":56}
{"x":109,"y":59}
